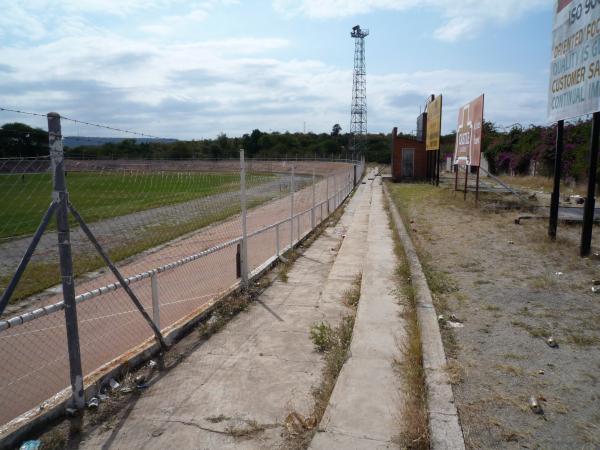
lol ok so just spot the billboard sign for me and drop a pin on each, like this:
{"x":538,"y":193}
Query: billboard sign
{"x":469,"y":133}
{"x":574,"y":88}
{"x":434,"y":124}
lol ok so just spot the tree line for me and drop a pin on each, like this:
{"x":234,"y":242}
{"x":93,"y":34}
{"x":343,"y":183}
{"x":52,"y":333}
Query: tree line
{"x":510,"y":150}
{"x":18,"y":140}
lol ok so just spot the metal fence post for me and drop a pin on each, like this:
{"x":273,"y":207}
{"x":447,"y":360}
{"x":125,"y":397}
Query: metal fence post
{"x":327,"y":193}
{"x":155,"y":299}
{"x":335,"y":192}
{"x":314,"y":202}
{"x":244,"y":248}
{"x":61,"y":197}
{"x":292,"y":188}
{"x":277,"y":239}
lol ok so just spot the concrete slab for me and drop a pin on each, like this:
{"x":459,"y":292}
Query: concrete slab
{"x":339,"y":440}
{"x":364,"y":409}
{"x":235,"y":390}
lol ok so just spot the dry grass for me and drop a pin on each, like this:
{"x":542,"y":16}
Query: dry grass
{"x":247,"y":431}
{"x":352,"y":295}
{"x":226,"y":310}
{"x":287,"y":262}
{"x":335,"y":352}
{"x":414,"y":429}
{"x":509,"y":370}
{"x":455,"y":372}
{"x":535,"y":332}
{"x":543,"y":283}
{"x":544,"y":184}
{"x":582,"y":340}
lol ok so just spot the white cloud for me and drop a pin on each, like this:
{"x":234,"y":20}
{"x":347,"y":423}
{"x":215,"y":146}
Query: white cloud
{"x":463,"y":18}
{"x":190,"y":88}
{"x":231,"y":86}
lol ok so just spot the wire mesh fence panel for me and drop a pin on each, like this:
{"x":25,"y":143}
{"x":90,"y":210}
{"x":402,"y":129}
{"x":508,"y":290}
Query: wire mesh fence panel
{"x":111,"y":325}
{"x":34,"y":365}
{"x":185,"y":289}
{"x":181,"y":218}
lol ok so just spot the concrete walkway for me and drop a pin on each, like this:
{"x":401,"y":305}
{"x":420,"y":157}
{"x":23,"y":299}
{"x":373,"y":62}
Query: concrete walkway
{"x":235,"y":390}
{"x":364,"y":409}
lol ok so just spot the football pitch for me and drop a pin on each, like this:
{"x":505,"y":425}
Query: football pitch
{"x":101,"y":195}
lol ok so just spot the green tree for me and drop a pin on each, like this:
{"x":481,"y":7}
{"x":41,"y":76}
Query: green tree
{"x":19,"y":139}
{"x":336,"y":130}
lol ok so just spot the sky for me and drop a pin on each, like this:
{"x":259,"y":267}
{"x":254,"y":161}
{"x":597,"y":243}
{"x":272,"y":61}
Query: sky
{"x":194,"y":69}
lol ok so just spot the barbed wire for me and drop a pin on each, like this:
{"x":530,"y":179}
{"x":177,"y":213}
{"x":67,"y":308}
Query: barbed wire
{"x":135,"y":133}
{"x":82,"y":122}
{"x":22,"y":112}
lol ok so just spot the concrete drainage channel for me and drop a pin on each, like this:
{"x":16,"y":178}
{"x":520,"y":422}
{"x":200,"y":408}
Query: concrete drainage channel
{"x":444,"y":426}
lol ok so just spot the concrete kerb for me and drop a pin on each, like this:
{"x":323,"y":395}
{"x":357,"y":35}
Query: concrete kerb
{"x":36,"y":419}
{"x":444,"y":424}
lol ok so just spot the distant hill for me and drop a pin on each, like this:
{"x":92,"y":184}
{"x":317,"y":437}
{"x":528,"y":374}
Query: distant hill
{"x":90,"y":141}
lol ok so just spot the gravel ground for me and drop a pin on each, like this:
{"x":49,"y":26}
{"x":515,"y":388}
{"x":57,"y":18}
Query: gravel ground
{"x":512,"y":289}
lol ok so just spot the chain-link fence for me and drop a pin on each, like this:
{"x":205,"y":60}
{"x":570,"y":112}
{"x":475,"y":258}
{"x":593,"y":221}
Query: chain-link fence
{"x":173,"y":230}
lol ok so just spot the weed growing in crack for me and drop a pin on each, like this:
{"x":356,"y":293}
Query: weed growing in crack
{"x":321,"y":335}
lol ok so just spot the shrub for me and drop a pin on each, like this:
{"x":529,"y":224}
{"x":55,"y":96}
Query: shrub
{"x":321,"y":335}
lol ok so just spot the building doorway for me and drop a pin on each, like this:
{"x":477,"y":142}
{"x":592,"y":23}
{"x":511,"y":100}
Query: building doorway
{"x":408,"y":162}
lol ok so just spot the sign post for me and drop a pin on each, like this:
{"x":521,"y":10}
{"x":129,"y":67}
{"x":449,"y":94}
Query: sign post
{"x":432,"y":139}
{"x":590,"y":201}
{"x":469,"y":134}
{"x":574,"y":90}
{"x":555,"y":199}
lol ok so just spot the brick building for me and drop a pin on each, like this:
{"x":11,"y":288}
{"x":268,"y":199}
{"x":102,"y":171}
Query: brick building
{"x":409,"y":158}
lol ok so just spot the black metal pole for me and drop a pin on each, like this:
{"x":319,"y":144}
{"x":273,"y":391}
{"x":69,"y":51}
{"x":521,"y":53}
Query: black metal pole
{"x":7,"y":294}
{"x":118,"y":276}
{"x":430,"y":167}
{"x":467,"y":168}
{"x":590,"y":201}
{"x":429,"y":171}
{"x":455,"y":167}
{"x":61,"y":197}
{"x":555,"y":199}
{"x":437,"y":172}
{"x":477,"y":189}
{"x":238,"y":262}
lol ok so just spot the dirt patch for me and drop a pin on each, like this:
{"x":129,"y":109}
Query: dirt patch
{"x":511,"y":289}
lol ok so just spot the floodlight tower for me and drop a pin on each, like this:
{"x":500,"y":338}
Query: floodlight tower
{"x":358,"y":121}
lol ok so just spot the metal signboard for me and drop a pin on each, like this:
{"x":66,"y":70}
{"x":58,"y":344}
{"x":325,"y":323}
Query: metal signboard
{"x":469,"y":133}
{"x":574,"y":88}
{"x":434,"y":124}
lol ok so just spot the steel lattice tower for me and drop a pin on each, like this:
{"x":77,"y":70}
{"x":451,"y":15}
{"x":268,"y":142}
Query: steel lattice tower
{"x":358,"y":122}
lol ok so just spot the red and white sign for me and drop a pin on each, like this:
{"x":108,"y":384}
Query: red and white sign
{"x":469,"y":133}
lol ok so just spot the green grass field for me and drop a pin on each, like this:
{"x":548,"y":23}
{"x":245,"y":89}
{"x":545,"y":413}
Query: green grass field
{"x":103,"y":195}
{"x":25,"y":198}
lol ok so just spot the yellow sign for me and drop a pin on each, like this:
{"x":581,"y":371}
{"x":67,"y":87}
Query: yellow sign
{"x":434,"y":124}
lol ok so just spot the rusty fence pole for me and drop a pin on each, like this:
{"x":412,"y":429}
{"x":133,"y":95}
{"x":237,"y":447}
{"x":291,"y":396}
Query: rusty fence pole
{"x":61,"y":197}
